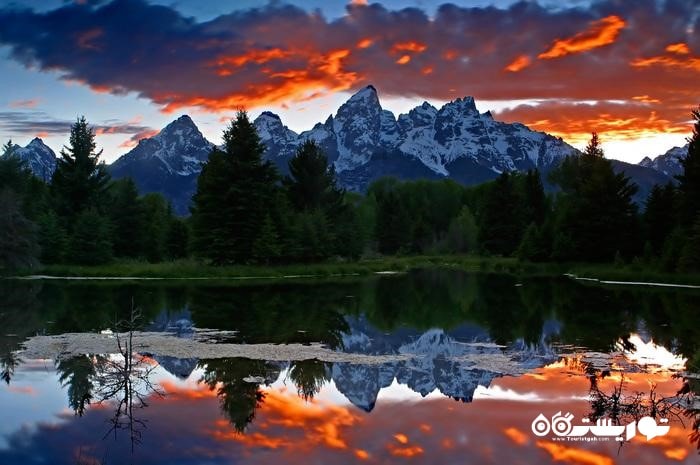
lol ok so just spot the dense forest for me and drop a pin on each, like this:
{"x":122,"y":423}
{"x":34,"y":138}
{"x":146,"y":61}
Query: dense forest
{"x":245,"y":212}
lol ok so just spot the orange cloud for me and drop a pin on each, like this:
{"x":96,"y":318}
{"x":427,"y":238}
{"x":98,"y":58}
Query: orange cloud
{"x":574,"y":455}
{"x":620,"y":121}
{"x":321,"y":424}
{"x":679,"y":48}
{"x":134,"y":140}
{"x":403,"y":60}
{"x":410,"y":46}
{"x":688,"y":63}
{"x":365,"y":43}
{"x":520,"y":63}
{"x":30,"y":103}
{"x":515,"y":435}
{"x":600,"y":33}
{"x":324,"y":73}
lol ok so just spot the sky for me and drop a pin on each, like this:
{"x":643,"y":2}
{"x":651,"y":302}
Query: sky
{"x":627,"y":69}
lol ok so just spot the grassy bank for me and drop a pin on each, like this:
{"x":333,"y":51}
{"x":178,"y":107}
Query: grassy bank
{"x":192,"y":269}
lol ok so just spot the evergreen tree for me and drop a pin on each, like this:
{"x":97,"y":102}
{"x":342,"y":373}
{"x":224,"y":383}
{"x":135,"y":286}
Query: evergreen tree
{"x":234,"y":193}
{"x":689,"y":180}
{"x":535,"y":201}
{"x":127,"y":219}
{"x":594,"y":148}
{"x":156,"y":215}
{"x":463,"y":232}
{"x":53,"y":239}
{"x":690,"y":256}
{"x":501,"y":226}
{"x":31,"y":191}
{"x":80,"y":180}
{"x":596,"y":216}
{"x":90,"y":242}
{"x":267,"y":245}
{"x":311,"y":183}
{"x":534,"y":246}
{"x":8,"y":150}
{"x":18,"y":245}
{"x":393,"y":224}
{"x":660,"y":215}
{"x":177,"y":239}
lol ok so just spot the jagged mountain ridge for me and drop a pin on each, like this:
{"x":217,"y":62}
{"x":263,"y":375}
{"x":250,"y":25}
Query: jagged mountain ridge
{"x":39,"y":158}
{"x":668,"y":163}
{"x":365,"y":142}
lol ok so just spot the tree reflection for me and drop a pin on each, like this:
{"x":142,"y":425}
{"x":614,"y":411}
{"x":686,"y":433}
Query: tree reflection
{"x":121,"y":380}
{"x":78,"y":375}
{"x":237,"y":385}
{"x":623,"y":407}
{"x":309,"y":376}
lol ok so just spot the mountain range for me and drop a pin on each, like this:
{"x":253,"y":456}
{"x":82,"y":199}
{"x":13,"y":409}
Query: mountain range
{"x":364,"y":142}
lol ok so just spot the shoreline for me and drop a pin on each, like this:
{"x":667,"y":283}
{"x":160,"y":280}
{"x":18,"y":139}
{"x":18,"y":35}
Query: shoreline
{"x":188,"y":270}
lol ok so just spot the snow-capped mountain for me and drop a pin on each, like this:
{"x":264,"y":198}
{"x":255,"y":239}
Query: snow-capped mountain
{"x":39,"y":158}
{"x":365,"y":142}
{"x":669,"y":163}
{"x":168,"y":162}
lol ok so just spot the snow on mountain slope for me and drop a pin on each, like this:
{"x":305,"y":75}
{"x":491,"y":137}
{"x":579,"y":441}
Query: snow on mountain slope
{"x":669,"y":163}
{"x":39,"y":158}
{"x":362,"y":133}
{"x":168,"y":162}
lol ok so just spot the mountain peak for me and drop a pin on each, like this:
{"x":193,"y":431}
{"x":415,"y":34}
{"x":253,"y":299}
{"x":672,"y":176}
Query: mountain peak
{"x":270,"y":115}
{"x":366,"y":94}
{"x":464,"y":105}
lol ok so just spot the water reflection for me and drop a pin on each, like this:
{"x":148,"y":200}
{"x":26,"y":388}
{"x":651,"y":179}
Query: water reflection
{"x":506,"y":352}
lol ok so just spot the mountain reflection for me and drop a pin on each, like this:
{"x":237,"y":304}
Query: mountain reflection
{"x":248,"y":410}
{"x":507,"y":353}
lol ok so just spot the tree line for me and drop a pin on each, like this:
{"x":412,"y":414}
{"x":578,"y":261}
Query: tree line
{"x":244,"y":211}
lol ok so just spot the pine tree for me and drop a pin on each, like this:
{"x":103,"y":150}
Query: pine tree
{"x":8,"y":150}
{"x":535,"y":201}
{"x":234,"y":193}
{"x":177,"y":239}
{"x":690,"y":256}
{"x":660,"y":215}
{"x":463,"y":232}
{"x":596,"y":216}
{"x":80,"y":180}
{"x":311,"y":183}
{"x":53,"y":239}
{"x":594,"y":147}
{"x":18,"y":245}
{"x":689,"y":180}
{"x":90,"y":242}
{"x":393,"y":225}
{"x":126,"y":218}
{"x":534,"y":245}
{"x":156,"y":215}
{"x":267,"y":244}
{"x":501,"y":226}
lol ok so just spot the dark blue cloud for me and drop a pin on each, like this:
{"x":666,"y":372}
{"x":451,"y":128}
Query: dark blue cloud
{"x":279,"y":53}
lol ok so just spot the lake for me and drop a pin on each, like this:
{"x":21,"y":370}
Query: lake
{"x":433,"y":366}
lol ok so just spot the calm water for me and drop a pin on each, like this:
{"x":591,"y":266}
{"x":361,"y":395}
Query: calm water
{"x":476,"y":359}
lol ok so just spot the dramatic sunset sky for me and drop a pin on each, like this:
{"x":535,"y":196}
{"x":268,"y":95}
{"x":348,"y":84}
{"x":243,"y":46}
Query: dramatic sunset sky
{"x":629,"y":69}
